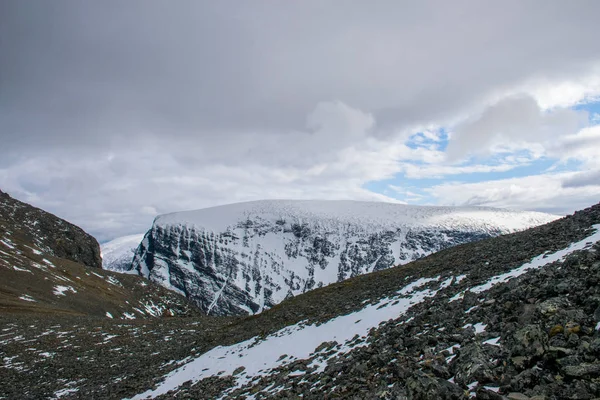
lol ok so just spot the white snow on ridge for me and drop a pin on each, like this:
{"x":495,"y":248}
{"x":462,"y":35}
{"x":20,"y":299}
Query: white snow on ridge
{"x":536,"y":263}
{"x":119,"y":252}
{"x":8,"y":243}
{"x":373,"y":215}
{"x":286,"y":247}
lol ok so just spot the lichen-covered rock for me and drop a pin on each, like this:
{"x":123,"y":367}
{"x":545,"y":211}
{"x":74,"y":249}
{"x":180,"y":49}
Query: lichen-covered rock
{"x":421,"y":386}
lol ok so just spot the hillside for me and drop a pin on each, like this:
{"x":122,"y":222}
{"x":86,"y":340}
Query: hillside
{"x":510,"y":317}
{"x":50,"y":267}
{"x":245,"y":258}
{"x":48,"y":233}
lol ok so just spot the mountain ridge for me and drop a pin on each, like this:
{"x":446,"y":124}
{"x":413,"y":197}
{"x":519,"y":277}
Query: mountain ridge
{"x":521,"y":337}
{"x":49,"y":232}
{"x":244,"y":258}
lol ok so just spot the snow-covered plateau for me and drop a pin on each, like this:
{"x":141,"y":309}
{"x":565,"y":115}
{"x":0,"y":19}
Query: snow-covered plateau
{"x":247,"y":257}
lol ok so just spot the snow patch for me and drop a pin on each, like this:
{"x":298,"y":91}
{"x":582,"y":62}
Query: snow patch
{"x":539,"y":261}
{"x":260,"y":356}
{"x":493,"y":341}
{"x":63,"y":392}
{"x":118,"y":253}
{"x":128,"y":316}
{"x":8,"y":243}
{"x":60,"y":290}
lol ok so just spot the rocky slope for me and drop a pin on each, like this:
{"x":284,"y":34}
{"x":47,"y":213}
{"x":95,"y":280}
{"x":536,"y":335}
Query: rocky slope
{"x":247,"y":257}
{"x":117,"y":254}
{"x":50,"y":234}
{"x":49,"y":266}
{"x":513,"y":317}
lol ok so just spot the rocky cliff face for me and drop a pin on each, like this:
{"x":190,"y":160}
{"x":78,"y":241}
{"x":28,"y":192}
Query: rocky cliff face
{"x":50,"y":234}
{"x":245,"y":258}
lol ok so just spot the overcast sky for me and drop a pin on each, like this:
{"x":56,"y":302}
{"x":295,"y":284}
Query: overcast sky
{"x":113,"y":112}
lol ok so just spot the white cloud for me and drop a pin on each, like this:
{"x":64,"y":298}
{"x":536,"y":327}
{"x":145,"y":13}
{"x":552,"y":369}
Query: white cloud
{"x":566,"y":93}
{"x":513,"y":123}
{"x":338,"y":153}
{"x":130,"y":185}
{"x":440,"y":170}
{"x":545,"y":192}
{"x":583,"y":146}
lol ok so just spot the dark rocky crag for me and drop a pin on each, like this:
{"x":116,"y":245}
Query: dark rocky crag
{"x":50,"y":234}
{"x":49,"y":266}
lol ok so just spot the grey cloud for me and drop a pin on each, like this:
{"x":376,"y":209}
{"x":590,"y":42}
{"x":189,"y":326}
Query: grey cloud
{"x":589,"y":178}
{"x":542,"y":192}
{"x":110,"y":109}
{"x":79,"y":72}
{"x":514,"y":119}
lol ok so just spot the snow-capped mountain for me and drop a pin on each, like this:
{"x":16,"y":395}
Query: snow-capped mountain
{"x":247,"y":257}
{"x":482,"y":321}
{"x":118,"y":253}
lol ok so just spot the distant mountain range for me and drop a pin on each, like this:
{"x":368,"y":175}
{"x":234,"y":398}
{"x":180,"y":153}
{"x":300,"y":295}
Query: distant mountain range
{"x":245,"y":258}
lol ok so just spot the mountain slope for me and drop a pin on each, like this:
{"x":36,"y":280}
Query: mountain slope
{"x":118,"y":253}
{"x":247,"y":257}
{"x":49,"y":267}
{"x":517,"y":315}
{"x":514,"y":315}
{"x":47,"y":232}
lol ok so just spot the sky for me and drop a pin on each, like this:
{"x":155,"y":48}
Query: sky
{"x":113,"y":112}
